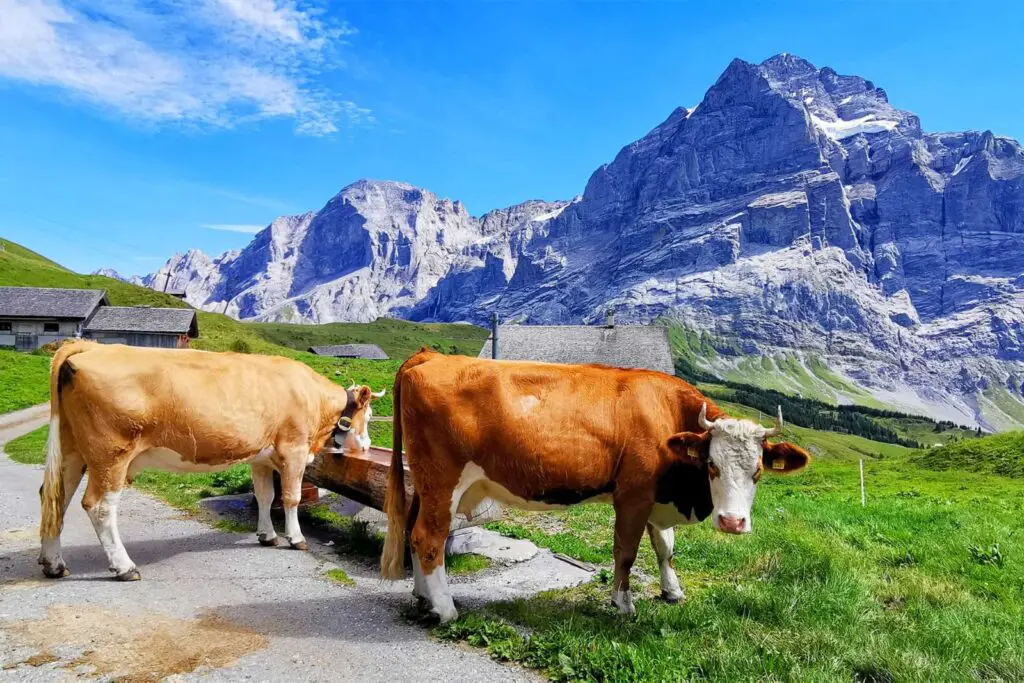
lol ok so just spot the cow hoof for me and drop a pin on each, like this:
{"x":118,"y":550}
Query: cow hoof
{"x":130,"y":575}
{"x":446,"y":616}
{"x":267,"y":542}
{"x":301,"y":545}
{"x":55,"y":572}
{"x":672,"y":598}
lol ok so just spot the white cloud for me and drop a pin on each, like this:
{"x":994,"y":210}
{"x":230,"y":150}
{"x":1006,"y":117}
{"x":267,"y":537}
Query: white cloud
{"x":214,"y":63}
{"x":235,"y":227}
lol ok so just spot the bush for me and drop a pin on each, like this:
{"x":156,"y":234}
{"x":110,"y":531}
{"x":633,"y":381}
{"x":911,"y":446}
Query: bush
{"x":240,"y":346}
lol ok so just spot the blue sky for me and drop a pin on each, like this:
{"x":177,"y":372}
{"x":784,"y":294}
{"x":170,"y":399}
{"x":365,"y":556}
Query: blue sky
{"x":129,"y":127}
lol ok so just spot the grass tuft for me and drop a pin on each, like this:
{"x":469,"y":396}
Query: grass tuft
{"x":338,"y":575}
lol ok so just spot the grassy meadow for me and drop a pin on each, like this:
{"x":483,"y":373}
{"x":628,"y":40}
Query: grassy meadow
{"x":924,"y":582}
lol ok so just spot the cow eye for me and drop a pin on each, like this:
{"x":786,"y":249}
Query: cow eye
{"x":712,"y":470}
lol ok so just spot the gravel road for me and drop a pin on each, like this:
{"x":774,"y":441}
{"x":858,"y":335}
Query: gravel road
{"x":211,"y":604}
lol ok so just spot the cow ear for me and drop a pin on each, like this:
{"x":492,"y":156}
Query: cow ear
{"x":364,"y":396}
{"x":784,"y":457}
{"x":690,"y":447}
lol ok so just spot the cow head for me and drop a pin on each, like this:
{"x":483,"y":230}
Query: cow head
{"x":354,"y":421}
{"x":734,"y":454}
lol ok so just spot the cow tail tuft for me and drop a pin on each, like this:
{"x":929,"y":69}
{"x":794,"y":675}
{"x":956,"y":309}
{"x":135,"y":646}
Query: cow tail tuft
{"x":392,"y":559}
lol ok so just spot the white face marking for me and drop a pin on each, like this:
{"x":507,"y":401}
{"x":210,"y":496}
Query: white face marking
{"x":735,"y":452}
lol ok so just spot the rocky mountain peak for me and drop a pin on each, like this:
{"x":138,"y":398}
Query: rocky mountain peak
{"x":794,"y":215}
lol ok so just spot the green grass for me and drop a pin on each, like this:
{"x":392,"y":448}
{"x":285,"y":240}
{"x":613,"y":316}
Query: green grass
{"x":25,"y":380}
{"x":924,"y":583}
{"x":399,"y":338}
{"x":339,"y":576}
{"x":462,"y":565}
{"x":29,"y":449}
{"x":1001,"y":454}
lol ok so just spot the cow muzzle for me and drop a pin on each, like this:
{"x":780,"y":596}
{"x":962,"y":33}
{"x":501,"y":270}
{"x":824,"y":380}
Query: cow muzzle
{"x":732,"y":525}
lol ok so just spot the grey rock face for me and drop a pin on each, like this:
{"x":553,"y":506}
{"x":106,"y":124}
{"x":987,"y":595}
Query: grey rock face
{"x":793,"y":210}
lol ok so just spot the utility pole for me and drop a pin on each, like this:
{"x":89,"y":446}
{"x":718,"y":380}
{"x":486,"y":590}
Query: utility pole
{"x":167,"y":280}
{"x":494,"y":335}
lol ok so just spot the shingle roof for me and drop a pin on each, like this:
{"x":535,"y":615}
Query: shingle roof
{"x":142,"y":319}
{"x":626,"y":346}
{"x":44,"y":302}
{"x":367,"y":351}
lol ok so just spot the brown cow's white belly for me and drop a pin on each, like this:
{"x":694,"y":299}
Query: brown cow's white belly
{"x":474,"y":488}
{"x":171,"y":461}
{"x":666,"y":516}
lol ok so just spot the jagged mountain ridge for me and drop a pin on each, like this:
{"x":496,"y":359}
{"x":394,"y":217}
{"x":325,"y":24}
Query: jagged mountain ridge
{"x":792,"y":211}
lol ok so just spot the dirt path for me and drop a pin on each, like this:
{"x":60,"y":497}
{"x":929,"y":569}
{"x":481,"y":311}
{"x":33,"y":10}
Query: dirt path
{"x":211,"y":604}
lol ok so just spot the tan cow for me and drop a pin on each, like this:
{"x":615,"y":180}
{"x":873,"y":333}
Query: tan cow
{"x":541,"y":436}
{"x":115,"y":410}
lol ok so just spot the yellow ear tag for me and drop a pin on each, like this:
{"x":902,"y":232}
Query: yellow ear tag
{"x":693,"y":452}
{"x":779,"y":464}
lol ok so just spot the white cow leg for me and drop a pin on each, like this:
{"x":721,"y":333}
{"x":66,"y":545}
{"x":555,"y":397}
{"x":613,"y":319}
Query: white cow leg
{"x":435,"y":584}
{"x":291,"y":527}
{"x":419,"y":589}
{"x":663,"y":541}
{"x":263,"y":488}
{"x":103,"y":513}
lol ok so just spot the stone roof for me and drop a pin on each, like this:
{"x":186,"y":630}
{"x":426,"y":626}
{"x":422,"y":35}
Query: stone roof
{"x":366,"y":351}
{"x":45,"y":302}
{"x":142,"y":319}
{"x":624,"y":346}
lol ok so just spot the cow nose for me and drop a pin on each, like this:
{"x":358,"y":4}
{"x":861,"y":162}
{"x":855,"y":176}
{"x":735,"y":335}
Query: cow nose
{"x":732,"y":525}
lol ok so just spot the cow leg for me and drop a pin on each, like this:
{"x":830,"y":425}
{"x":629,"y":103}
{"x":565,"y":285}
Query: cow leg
{"x":630,"y":519}
{"x":428,"y":537}
{"x":263,"y":488}
{"x":101,"y":500}
{"x":50,"y":556}
{"x":292,"y":469}
{"x":663,"y":541}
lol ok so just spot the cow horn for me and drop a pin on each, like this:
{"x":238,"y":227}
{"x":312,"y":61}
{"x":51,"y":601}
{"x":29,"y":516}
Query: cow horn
{"x":378,"y":394}
{"x":777,"y":429}
{"x":353,"y":385}
{"x":702,"y":418}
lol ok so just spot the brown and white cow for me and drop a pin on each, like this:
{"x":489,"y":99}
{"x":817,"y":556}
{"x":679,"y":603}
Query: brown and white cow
{"x":541,"y":436}
{"x":115,"y":410}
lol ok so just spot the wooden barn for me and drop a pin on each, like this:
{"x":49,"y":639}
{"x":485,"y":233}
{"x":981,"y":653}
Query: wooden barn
{"x":31,"y":317}
{"x":624,"y":346}
{"x":167,"y":328}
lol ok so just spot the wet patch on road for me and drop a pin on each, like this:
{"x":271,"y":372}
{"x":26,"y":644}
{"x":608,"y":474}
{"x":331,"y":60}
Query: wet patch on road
{"x":139,"y":646}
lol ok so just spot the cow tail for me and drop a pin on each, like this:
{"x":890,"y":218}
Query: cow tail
{"x":392,"y":560}
{"x":52,"y":494}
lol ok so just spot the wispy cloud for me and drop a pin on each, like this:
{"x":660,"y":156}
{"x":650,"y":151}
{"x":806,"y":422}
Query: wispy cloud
{"x":213,"y":63}
{"x":234,"y":227}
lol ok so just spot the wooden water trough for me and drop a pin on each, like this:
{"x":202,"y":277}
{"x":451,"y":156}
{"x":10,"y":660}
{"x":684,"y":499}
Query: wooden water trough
{"x":363,"y":477}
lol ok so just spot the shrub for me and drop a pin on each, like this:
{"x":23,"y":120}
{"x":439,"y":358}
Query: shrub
{"x":241,"y":346}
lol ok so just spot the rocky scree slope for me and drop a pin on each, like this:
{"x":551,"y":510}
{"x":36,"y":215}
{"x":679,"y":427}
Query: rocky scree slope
{"x":793,"y":214}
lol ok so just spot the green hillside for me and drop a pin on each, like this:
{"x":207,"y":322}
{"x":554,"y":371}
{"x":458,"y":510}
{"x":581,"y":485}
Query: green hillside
{"x":24,"y":376}
{"x":1001,"y":454}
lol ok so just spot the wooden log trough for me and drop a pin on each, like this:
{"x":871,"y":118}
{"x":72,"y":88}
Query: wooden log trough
{"x":363,"y":477}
